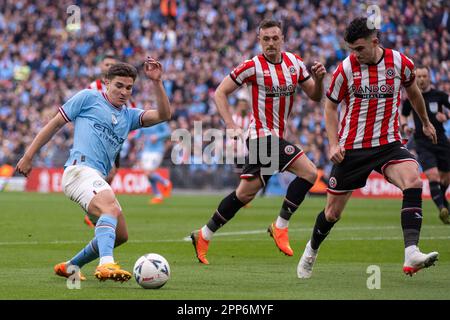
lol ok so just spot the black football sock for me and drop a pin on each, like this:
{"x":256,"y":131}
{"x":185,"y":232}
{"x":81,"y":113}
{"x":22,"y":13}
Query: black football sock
{"x":225,"y":212}
{"x":436,"y":194}
{"x":321,"y":230}
{"x":411,"y":215}
{"x":444,"y":198}
{"x":295,"y":195}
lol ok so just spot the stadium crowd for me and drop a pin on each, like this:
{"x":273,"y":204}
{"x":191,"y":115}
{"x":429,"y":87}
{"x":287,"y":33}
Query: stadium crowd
{"x":45,"y":58}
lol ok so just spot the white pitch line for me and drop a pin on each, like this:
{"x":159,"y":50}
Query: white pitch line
{"x":22,"y":243}
{"x":250,"y":232}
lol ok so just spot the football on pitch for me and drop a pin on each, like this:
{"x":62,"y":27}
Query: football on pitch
{"x":151,"y":271}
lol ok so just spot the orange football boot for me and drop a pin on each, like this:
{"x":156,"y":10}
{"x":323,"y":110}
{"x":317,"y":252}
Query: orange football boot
{"x":88,"y":221}
{"x":200,"y":246}
{"x":167,"y":190}
{"x":61,"y":270}
{"x":156,"y":200}
{"x":111,"y":271}
{"x":281,"y":238}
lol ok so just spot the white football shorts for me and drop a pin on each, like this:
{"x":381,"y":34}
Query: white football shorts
{"x":151,"y":160}
{"x":82,"y":183}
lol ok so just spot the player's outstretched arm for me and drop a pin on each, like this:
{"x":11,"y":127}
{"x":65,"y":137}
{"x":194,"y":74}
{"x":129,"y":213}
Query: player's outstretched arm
{"x":418,"y":104}
{"x":225,"y":88}
{"x":153,"y":70}
{"x":25,"y":163}
{"x":337,"y":152}
{"x":313,"y":87}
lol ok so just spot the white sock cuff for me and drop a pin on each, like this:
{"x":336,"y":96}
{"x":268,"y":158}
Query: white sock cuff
{"x":281,"y":223}
{"x":207,"y":233}
{"x":106,"y":259}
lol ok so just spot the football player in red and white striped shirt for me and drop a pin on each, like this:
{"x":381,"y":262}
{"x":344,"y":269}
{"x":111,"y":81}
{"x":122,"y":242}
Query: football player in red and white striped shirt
{"x":272,"y":79}
{"x":242,"y":116}
{"x":367,"y":84}
{"x":107,"y":61}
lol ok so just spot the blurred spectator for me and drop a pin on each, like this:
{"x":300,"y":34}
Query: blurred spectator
{"x":43,"y":61}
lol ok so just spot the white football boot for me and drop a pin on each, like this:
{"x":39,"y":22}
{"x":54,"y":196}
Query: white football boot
{"x":416,"y":260}
{"x":306,"y":263}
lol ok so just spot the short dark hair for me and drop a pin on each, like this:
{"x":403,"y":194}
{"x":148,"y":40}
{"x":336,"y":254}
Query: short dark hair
{"x":358,"y":29}
{"x":109,"y":56}
{"x":121,"y":69}
{"x":422,"y":66}
{"x":269,"y":23}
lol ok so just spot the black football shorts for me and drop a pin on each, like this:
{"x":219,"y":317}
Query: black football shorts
{"x":267,"y":155}
{"x":433,"y":155}
{"x":353,"y":171}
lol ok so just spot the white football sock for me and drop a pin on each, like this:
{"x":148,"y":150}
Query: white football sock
{"x":207,"y":233}
{"x":106,"y":259}
{"x":281,"y":223}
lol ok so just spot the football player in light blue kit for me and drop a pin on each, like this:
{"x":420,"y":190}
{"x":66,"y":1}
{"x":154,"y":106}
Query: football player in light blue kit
{"x":153,"y":141}
{"x":102,"y":122}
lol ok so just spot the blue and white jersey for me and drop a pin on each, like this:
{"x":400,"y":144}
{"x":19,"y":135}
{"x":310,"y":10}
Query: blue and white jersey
{"x":161,"y":131}
{"x":100,"y":129}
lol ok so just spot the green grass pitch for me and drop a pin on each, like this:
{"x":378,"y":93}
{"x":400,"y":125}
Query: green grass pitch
{"x":39,"y":230}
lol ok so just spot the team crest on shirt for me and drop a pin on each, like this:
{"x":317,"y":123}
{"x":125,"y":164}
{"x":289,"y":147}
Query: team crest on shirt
{"x":289,"y":150}
{"x":98,"y":183}
{"x":356,"y":75}
{"x":390,"y":73}
{"x":114,"y":120}
{"x":332,"y":182}
{"x":266,"y":73}
{"x":292,"y":70}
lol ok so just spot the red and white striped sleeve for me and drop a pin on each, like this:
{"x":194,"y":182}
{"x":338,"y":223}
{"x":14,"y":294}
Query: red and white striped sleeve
{"x":244,"y":72}
{"x":338,"y":86}
{"x":304,"y":74}
{"x":407,"y":70}
{"x":96,"y":85}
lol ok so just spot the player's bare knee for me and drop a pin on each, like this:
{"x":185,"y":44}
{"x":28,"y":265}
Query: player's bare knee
{"x":111,"y":209}
{"x":445,"y":181}
{"x":332,"y":216}
{"x":433,"y":176}
{"x":413,"y":182}
{"x":114,"y":210}
{"x":312,"y":175}
{"x":245,"y":196}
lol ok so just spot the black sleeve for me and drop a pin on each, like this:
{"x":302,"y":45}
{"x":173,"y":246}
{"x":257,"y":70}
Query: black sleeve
{"x":406,"y":109}
{"x":445,"y":100}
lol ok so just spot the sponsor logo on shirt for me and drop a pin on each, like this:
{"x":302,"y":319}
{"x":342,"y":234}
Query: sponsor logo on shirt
{"x":108,"y":133}
{"x":280,"y":91}
{"x":373,"y":91}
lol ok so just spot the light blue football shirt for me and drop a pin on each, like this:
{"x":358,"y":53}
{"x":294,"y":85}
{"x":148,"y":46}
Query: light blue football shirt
{"x":100,"y":129}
